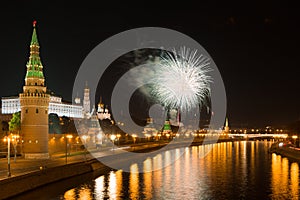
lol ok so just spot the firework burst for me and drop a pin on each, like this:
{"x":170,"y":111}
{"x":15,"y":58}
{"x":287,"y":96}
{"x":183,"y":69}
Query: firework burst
{"x":181,"y":80}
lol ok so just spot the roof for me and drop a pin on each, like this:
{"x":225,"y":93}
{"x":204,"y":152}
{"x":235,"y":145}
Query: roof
{"x":34,"y":64}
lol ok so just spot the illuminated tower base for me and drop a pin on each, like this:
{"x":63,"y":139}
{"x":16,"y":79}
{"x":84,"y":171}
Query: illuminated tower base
{"x":34,"y":125}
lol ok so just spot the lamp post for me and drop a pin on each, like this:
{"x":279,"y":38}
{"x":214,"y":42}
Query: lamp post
{"x":8,"y":155}
{"x":99,"y":141}
{"x":84,"y":137}
{"x":14,"y":141}
{"x":67,"y":138}
{"x":113,"y":137}
{"x":295,"y":137}
{"x":134,"y":136}
{"x":118,"y":136}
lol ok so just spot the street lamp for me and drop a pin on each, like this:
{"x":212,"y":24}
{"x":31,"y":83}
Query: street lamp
{"x":118,"y":136}
{"x":134,"y":138}
{"x":113,"y":137}
{"x":8,"y":155}
{"x":84,"y":137}
{"x":14,"y":140}
{"x":99,"y":141}
{"x":67,"y":138}
{"x":295,"y":137}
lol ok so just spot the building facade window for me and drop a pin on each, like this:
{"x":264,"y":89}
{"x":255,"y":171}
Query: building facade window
{"x":36,"y":110}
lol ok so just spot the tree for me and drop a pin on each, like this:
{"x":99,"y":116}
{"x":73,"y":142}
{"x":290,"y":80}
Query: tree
{"x":54,"y":124}
{"x":15,"y":123}
{"x":15,"y":126}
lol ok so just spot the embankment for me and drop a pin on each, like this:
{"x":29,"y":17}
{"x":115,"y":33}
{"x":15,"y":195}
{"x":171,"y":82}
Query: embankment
{"x":19,"y":184}
{"x":289,"y":152}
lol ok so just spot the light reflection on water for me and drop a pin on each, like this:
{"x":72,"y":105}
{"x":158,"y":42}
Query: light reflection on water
{"x":232,"y":170}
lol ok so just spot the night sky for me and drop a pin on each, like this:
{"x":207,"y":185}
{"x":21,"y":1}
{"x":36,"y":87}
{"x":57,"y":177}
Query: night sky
{"x":255,"y":47}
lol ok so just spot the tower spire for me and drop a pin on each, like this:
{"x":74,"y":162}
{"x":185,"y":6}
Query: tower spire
{"x":226,"y":128}
{"x":86,"y":100}
{"x":34,"y":40}
{"x":34,"y":64}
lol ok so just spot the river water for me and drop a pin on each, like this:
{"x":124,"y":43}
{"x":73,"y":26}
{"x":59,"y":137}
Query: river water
{"x":231,"y":170}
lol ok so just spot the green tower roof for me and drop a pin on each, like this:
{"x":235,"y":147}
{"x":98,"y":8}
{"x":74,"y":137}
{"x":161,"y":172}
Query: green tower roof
{"x":34,"y":39}
{"x":167,"y":126}
{"x":34,"y":64}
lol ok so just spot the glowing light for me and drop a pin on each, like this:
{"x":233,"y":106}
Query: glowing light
{"x":84,"y":137}
{"x":280,"y":144}
{"x":181,"y":79}
{"x":294,"y":136}
{"x":99,"y":136}
{"x":113,"y":137}
{"x":69,"y":136}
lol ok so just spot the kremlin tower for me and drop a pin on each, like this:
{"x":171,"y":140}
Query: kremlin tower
{"x":86,"y":101}
{"x":226,"y":128}
{"x":34,"y":103}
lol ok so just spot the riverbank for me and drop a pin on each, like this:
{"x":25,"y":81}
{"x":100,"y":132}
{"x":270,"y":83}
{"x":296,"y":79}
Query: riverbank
{"x":49,"y":174}
{"x":19,"y":184}
{"x":286,"y":150}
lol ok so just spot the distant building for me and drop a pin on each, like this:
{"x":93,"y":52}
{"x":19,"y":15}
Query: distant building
{"x":149,"y":129}
{"x":226,"y":128}
{"x":102,"y":111}
{"x":167,"y":127}
{"x":95,"y":132}
{"x":86,"y":101}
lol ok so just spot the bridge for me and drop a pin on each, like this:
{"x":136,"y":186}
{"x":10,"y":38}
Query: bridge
{"x":258,"y":135}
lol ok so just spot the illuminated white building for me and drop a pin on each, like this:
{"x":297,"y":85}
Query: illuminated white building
{"x":11,"y":105}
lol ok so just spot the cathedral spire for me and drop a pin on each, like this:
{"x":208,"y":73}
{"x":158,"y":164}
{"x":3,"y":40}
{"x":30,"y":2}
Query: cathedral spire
{"x":34,"y":64}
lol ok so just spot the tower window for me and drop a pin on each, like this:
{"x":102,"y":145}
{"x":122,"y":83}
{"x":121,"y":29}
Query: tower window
{"x":26,"y":111}
{"x":35,"y":83}
{"x":36,"y":110}
{"x":46,"y":111}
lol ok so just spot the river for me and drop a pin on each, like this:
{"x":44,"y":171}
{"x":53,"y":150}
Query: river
{"x":231,"y":170}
